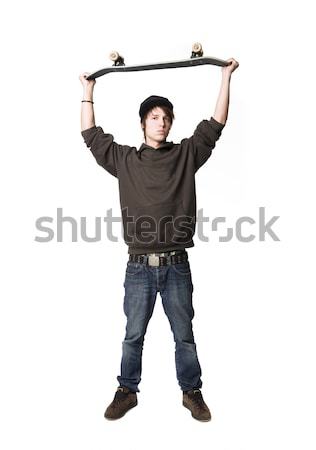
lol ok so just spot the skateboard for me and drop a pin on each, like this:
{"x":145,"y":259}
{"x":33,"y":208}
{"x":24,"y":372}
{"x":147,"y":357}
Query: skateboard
{"x":196,"y":59}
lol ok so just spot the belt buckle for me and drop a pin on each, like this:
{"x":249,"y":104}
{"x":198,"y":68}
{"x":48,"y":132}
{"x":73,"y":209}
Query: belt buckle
{"x":153,"y":260}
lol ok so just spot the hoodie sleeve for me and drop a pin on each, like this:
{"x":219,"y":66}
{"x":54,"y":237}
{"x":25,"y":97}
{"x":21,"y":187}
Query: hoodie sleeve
{"x":203,"y":140}
{"x":107,"y":153}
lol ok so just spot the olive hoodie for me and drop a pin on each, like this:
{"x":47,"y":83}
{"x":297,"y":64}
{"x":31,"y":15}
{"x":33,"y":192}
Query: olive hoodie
{"x":156,"y":186}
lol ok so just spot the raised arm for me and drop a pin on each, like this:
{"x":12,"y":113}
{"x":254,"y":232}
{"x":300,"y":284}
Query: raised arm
{"x":222,"y":104}
{"x":87,"y":111}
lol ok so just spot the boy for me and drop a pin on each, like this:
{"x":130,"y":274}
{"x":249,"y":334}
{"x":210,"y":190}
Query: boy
{"x":158,"y":204}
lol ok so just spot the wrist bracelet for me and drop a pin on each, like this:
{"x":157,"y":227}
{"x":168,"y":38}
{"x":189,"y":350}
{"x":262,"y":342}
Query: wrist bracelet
{"x":89,"y":101}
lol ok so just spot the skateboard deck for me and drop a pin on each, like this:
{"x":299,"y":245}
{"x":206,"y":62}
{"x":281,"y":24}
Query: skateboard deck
{"x":197,"y":59}
{"x":163,"y":65}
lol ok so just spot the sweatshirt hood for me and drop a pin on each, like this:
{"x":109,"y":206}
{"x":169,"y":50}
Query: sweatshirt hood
{"x":163,"y":146}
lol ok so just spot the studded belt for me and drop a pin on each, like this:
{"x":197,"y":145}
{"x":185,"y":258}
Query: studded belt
{"x":160,"y":259}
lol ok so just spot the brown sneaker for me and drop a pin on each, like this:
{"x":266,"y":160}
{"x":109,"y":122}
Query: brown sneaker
{"x":193,"y":400}
{"x":123,"y":401}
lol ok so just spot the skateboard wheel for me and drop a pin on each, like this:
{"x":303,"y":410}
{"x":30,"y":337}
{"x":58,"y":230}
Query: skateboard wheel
{"x":114,"y":56}
{"x":197,"y":48}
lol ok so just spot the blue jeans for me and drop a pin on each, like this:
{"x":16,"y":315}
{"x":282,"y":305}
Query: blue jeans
{"x":174,"y":282}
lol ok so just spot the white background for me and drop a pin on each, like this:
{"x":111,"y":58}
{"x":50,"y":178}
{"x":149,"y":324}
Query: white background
{"x":62,"y":320}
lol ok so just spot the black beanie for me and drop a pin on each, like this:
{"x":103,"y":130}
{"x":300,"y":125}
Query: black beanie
{"x":151,"y":102}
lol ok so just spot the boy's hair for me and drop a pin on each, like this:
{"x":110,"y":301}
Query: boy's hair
{"x":155,"y":101}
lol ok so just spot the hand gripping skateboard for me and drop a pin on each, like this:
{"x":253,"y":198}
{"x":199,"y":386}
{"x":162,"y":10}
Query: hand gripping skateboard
{"x":197,"y":59}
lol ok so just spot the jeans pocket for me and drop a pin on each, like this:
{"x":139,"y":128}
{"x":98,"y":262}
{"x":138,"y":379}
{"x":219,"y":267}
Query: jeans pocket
{"x":182,"y":268}
{"x":133,"y":268}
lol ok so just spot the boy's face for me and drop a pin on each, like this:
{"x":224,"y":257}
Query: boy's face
{"x":157,"y":126}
